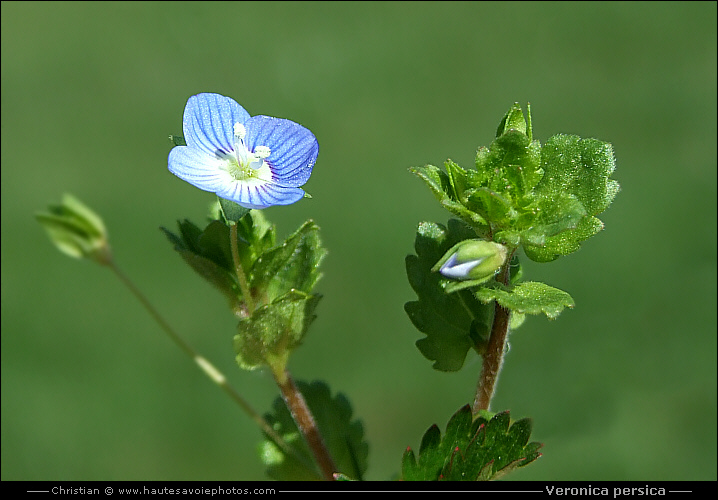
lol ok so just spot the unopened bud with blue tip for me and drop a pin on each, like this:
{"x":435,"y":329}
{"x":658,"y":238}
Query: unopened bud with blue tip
{"x":472,"y":260}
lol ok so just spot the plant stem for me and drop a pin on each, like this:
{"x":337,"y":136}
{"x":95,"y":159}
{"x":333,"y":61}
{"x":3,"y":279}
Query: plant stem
{"x":241,"y":277}
{"x":493,"y":357}
{"x":304,"y":419}
{"x":293,"y":398}
{"x":208,"y":368}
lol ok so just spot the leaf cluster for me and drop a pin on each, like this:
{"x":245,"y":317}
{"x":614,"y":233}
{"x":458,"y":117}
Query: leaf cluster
{"x":280,"y":279}
{"x":543,"y":198}
{"x":472,"y":449}
{"x":456,"y":316}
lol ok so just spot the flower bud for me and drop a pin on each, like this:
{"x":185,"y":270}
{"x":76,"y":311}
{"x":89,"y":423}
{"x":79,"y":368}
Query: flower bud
{"x":472,"y":260}
{"x":76,"y":230}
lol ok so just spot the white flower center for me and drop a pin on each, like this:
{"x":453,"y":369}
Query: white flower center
{"x":245,"y":165}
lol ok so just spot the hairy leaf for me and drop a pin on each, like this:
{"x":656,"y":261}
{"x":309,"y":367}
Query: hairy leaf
{"x":440,"y":184}
{"x":292,"y":265}
{"x":274,"y":330}
{"x":453,"y":323}
{"x":528,"y":297}
{"x":544,"y":198}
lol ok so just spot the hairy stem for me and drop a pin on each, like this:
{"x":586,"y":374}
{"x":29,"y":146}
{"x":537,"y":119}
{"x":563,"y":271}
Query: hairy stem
{"x":304,"y":419}
{"x":241,"y":277}
{"x":207,"y":368}
{"x":493,"y":357}
{"x":294,"y":399}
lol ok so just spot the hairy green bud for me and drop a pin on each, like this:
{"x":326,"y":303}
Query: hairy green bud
{"x":76,"y":230}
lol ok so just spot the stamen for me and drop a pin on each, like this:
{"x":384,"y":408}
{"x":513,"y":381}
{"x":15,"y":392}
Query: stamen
{"x":262,"y":152}
{"x":239,"y":131}
{"x":245,"y":159}
{"x":240,"y":150}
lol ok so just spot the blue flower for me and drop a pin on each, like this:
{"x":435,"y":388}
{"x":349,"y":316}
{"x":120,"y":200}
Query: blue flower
{"x":255,"y":161}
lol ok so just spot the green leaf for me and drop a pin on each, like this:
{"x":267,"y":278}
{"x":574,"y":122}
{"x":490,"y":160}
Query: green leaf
{"x":528,"y":297}
{"x":551,"y":216}
{"x":232,"y":211}
{"x":207,"y":253}
{"x":453,"y":323}
{"x":481,"y":448}
{"x":292,"y":265}
{"x":563,"y":243}
{"x":457,"y":178}
{"x":493,"y":206}
{"x":274,"y":330}
{"x":522,"y":194}
{"x":514,"y":119}
{"x":343,"y":436}
{"x":440,"y":184}
{"x":510,"y":166}
{"x":575,"y":187}
{"x":580,"y":167}
{"x":257,"y":234}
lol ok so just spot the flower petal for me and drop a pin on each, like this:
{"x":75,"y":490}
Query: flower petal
{"x":294,"y":148}
{"x":259,"y":194}
{"x":199,"y":169}
{"x":208,"y":122}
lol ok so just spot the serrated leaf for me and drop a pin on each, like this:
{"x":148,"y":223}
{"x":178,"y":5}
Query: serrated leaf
{"x":274,"y":330}
{"x":445,"y":344}
{"x":549,"y":217}
{"x":292,"y":265}
{"x":343,"y":437}
{"x":214,"y":244}
{"x":457,"y":179}
{"x":510,"y":166}
{"x":522,"y":194}
{"x":493,"y":206}
{"x":575,"y":187}
{"x":440,"y":184}
{"x":438,"y":181}
{"x":207,"y":260}
{"x":453,"y":323}
{"x":563,"y":243}
{"x":471,"y":449}
{"x":528,"y":297}
{"x":580,"y":167}
{"x":214,"y":274}
{"x":209,"y":254}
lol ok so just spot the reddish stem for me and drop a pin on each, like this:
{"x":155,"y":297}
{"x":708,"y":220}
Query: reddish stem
{"x":304,"y":419}
{"x":493,"y":357}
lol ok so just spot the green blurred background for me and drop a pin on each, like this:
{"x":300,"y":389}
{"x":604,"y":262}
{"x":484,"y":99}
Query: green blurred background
{"x":623,"y":387}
